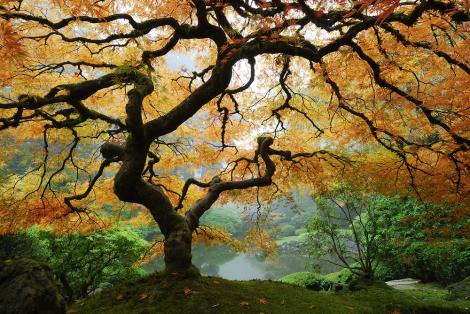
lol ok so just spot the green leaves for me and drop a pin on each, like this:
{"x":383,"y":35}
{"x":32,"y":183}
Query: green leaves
{"x":422,"y":240}
{"x":85,"y":263}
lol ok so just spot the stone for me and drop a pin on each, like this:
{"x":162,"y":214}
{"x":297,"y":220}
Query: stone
{"x":403,"y":284}
{"x":460,"y":290}
{"x":29,"y":287}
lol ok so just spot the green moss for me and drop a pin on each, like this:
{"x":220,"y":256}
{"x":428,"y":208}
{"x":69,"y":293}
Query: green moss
{"x":127,"y":70}
{"x":192,"y":273}
{"x":28,"y":286}
{"x":460,"y":290}
{"x":159,"y":294}
{"x":126,"y":73}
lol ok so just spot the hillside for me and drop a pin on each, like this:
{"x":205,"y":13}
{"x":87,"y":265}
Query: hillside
{"x":160,"y":294}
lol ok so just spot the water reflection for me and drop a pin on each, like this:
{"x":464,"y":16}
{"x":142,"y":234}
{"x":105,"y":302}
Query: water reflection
{"x":223,"y":262}
{"x":242,"y":267}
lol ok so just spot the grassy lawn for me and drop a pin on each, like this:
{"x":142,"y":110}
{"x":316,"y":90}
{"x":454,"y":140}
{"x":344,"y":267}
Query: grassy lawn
{"x":158,"y":294}
{"x":296,"y":238}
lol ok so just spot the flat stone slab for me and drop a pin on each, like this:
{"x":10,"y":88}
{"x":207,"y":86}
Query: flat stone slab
{"x":404,"y":284}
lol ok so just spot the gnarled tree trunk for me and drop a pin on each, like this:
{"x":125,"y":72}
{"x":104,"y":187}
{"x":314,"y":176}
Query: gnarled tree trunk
{"x":130,"y":186}
{"x":177,"y":248}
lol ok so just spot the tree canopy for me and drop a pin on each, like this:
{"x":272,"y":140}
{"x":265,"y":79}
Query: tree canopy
{"x":272,"y":94}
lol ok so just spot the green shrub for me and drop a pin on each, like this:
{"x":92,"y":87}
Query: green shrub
{"x":342,"y":276}
{"x":385,"y":273}
{"x":18,"y":245}
{"x":421,"y":240}
{"x":397,"y":236}
{"x":86,"y":263}
{"x":314,"y":281}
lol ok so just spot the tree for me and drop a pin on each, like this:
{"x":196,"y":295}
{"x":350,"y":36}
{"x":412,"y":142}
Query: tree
{"x":383,"y":237}
{"x":413,"y":245}
{"x":345,"y":231}
{"x":383,"y":83}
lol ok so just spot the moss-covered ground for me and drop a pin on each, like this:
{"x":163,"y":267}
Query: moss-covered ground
{"x":161,"y":294}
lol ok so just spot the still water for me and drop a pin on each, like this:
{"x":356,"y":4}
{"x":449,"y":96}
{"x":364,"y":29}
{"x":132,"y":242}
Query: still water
{"x":242,"y":267}
{"x":222,"y":262}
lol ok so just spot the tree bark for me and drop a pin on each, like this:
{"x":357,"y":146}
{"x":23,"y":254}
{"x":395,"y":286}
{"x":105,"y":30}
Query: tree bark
{"x":129,"y":187}
{"x":177,"y":249}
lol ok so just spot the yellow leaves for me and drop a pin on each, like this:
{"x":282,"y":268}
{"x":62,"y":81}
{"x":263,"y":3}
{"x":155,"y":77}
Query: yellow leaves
{"x":256,"y":240}
{"x":141,"y":219}
{"x":418,"y":72}
{"x":156,"y":250}
{"x":7,"y":1}
{"x":213,"y":235}
{"x":244,"y":303}
{"x":187,"y":292}
{"x":84,"y":7}
{"x":11,"y":47}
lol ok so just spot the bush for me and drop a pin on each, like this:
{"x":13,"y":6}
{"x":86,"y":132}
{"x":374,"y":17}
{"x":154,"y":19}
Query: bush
{"x":385,"y":273}
{"x":86,"y":263}
{"x":314,"y":281}
{"x":342,"y":276}
{"x":397,"y":236}
{"x":421,"y":240}
{"x":18,"y":245}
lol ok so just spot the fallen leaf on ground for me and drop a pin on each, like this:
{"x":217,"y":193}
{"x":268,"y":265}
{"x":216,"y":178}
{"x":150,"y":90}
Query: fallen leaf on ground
{"x":187,"y":291}
{"x":312,"y":306}
{"x":143,"y":296}
{"x":283,"y":302}
{"x":244,"y":303}
{"x":263,"y":301}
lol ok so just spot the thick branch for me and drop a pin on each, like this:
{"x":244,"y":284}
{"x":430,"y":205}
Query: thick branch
{"x":217,"y":186}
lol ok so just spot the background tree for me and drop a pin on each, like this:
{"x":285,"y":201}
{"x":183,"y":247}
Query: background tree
{"x":412,"y":244}
{"x":307,"y":85}
{"x":345,"y":231}
{"x":382,"y":237}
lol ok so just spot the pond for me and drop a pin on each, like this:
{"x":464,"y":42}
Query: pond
{"x":242,"y":267}
{"x":221,"y":261}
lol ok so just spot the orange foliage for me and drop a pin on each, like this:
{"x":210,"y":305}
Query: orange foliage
{"x":407,"y":153}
